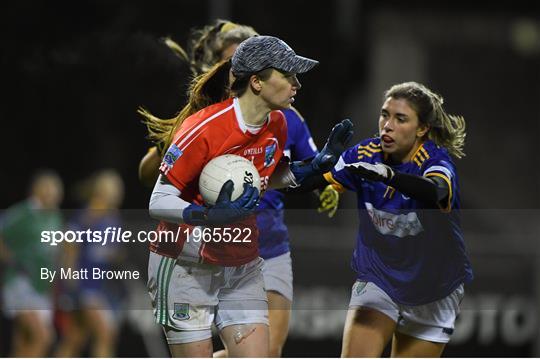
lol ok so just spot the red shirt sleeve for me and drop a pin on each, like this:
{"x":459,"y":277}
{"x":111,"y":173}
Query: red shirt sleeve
{"x":186,"y":157}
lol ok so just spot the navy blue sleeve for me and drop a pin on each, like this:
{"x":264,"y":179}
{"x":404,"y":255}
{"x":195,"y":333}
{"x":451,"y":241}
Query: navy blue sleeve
{"x":443,"y":168}
{"x":340,"y":175}
{"x":299,"y":140}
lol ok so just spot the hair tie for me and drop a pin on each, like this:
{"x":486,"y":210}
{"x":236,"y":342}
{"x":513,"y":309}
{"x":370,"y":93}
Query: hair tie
{"x":228,"y":26}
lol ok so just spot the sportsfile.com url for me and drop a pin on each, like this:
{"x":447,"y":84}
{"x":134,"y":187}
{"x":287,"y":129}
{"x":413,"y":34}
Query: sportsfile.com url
{"x":108,"y":235}
{"x":118,"y":235}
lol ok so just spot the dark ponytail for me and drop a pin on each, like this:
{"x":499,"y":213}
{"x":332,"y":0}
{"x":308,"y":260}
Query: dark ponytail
{"x":207,"y":89}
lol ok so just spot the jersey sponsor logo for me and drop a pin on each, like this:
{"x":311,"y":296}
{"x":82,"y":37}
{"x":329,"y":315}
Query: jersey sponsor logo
{"x":269,"y":153}
{"x":399,"y":225}
{"x":181,"y":311}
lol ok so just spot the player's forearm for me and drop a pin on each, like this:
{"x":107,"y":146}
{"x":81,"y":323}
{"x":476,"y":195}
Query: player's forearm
{"x":282,"y":176}
{"x":165,"y":202}
{"x":309,"y":184}
{"x":420,"y":188}
{"x":284,"y":180}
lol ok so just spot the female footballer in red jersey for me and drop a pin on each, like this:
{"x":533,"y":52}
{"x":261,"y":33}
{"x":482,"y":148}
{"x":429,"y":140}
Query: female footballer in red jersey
{"x":208,"y":46}
{"x":192,"y":282}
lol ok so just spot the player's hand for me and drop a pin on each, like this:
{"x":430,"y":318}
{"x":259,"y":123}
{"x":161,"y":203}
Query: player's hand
{"x":329,"y":200}
{"x":224,"y":211}
{"x":374,"y":172}
{"x":227,"y":211}
{"x":337,"y":142}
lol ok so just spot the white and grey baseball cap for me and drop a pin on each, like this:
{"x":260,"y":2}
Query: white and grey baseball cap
{"x":262,"y":52}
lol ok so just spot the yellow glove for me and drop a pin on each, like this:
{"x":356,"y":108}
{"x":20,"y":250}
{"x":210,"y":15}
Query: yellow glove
{"x":329,"y":200}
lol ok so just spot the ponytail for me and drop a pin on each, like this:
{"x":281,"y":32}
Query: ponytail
{"x":158,"y":128}
{"x":211,"y":83}
{"x":448,"y":130}
{"x":205,"y":90}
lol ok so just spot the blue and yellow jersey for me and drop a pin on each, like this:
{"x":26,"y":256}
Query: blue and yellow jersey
{"x":96,"y":254}
{"x":273,"y":234}
{"x":415,"y":253}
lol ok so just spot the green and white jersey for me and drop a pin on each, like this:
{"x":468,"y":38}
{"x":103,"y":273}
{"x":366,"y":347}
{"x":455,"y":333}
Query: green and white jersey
{"x":21,"y":229}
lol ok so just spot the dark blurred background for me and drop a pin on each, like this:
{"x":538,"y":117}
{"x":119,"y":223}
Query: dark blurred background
{"x":74,"y":73}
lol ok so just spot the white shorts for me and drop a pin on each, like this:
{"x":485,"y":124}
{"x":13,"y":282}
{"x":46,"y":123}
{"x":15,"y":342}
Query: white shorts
{"x":18,"y":295}
{"x":188,"y":297}
{"x":432,"y":322}
{"x":278,"y":276}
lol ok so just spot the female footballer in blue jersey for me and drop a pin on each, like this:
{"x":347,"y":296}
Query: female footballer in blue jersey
{"x":96,"y":302}
{"x":210,"y":45}
{"x":410,"y":257}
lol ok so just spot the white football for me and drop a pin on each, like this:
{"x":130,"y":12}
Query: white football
{"x":223,"y":168}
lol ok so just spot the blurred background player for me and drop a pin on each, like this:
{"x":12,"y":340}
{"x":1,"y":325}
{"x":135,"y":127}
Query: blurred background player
{"x":410,"y":256}
{"x":91,"y":306}
{"x":27,"y":299}
{"x":208,"y":46}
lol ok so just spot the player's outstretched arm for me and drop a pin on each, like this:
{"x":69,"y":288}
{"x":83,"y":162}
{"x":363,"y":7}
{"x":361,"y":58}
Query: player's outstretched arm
{"x":308,"y":174}
{"x":429,"y":190}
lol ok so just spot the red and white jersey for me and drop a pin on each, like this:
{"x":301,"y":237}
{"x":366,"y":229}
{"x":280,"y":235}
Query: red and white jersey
{"x":217,"y":130}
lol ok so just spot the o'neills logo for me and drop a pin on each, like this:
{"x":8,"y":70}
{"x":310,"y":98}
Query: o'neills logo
{"x":253,"y":151}
{"x":400,"y":225}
